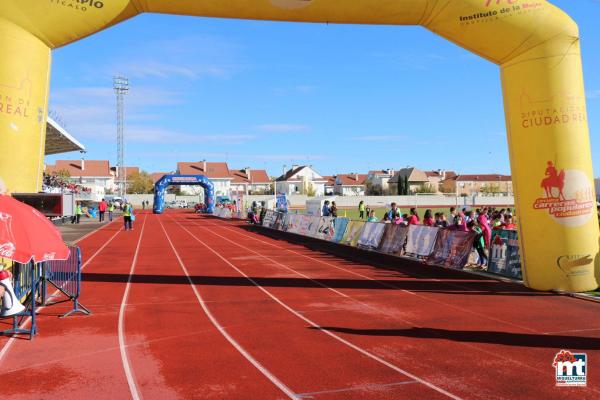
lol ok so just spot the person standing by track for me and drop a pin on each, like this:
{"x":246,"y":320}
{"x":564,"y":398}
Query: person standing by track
{"x":111,"y":210}
{"x":101,"y":210}
{"x":127,"y":214}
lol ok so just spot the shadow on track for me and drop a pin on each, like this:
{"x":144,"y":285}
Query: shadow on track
{"x":414,"y":285}
{"x":491,"y":337}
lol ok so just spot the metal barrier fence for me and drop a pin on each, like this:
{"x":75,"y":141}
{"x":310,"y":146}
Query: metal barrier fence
{"x":26,"y":280}
{"x":65,"y":276}
{"x":31,"y":282}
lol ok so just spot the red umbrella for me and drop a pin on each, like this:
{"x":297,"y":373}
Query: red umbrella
{"x":26,"y":234}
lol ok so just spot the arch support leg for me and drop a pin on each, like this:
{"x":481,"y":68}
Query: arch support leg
{"x":24,"y":81}
{"x":551,"y":166}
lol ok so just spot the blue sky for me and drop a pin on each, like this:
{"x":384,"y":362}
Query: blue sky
{"x":344,"y":98}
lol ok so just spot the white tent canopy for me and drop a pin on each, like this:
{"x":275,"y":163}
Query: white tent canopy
{"x":58,"y":140}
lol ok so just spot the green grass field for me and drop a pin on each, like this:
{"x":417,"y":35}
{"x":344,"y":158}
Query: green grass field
{"x":379,"y":212}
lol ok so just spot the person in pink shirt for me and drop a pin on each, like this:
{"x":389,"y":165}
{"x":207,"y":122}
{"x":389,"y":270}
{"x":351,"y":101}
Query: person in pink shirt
{"x":101,"y":210}
{"x":414,"y":217}
{"x":485,"y":227}
{"x":428,"y":218}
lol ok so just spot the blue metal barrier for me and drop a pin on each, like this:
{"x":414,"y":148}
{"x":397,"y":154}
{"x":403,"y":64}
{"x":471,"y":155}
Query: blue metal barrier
{"x":26,"y":280}
{"x":30,"y":282}
{"x":66,"y":277}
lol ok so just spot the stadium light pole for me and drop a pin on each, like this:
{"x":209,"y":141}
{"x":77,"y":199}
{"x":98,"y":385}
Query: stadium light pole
{"x":121,"y":87}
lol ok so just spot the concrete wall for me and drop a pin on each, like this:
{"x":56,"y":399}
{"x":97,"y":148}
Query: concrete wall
{"x":136,"y":199}
{"x":299,"y":201}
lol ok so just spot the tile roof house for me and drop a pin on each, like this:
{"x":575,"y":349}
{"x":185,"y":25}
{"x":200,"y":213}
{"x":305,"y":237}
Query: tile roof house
{"x":351,"y":184}
{"x":437,"y":176}
{"x":466,"y":185}
{"x":217,"y":172}
{"x":300,"y":180}
{"x":329,"y":185}
{"x":93,"y":174}
{"x":416,"y":179}
{"x":250,"y":181}
{"x":378,"y":181}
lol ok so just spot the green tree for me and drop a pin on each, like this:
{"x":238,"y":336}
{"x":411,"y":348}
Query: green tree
{"x":63,"y":174}
{"x":406,"y":186}
{"x":401,"y":186}
{"x":310,"y":190}
{"x":490,"y":189}
{"x":140,"y":183}
{"x":425,"y":188}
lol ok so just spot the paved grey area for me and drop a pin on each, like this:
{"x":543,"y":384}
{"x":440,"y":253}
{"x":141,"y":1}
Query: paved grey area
{"x":72,"y":232}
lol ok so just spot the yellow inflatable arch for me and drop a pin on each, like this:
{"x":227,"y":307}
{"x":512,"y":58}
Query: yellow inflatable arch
{"x":535,"y":44}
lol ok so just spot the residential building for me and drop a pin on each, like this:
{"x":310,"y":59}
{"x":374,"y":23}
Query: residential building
{"x":301,"y":179}
{"x":436,"y":177}
{"x":329,"y":185}
{"x":92,"y":174}
{"x":416,"y":179}
{"x":467,"y":185}
{"x":157,"y":175}
{"x":378,"y":181}
{"x":119,"y":175}
{"x":351,"y":184}
{"x":217,"y":172}
{"x":250,"y":181}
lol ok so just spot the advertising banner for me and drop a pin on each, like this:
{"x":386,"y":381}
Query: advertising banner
{"x":370,"y":236}
{"x":268,"y":219}
{"x":420,"y":240}
{"x":339,"y":227}
{"x":352,"y":234}
{"x":278,"y":220}
{"x":326,"y":228}
{"x":293,"y":223}
{"x":393,"y":240}
{"x":504,"y":254}
{"x":313,"y":225}
{"x":281,"y":204}
{"x":304,"y":225}
{"x":452,"y":248}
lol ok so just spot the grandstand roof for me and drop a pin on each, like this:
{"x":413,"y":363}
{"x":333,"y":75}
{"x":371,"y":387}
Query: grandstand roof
{"x":58,"y":140}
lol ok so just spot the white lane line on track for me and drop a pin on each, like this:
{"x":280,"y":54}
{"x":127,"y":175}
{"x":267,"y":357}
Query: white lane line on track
{"x":10,"y":341}
{"x":365,"y":305}
{"x":268,"y":374}
{"x":374,"y":386}
{"x":122,"y":345}
{"x":315,"y":325}
{"x":384,"y":283}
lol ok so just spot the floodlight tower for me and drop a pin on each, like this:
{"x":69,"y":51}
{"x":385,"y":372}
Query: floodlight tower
{"x":121,"y":87}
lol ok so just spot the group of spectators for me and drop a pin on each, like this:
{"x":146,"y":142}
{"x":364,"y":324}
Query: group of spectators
{"x":57,"y":184}
{"x":481,"y":221}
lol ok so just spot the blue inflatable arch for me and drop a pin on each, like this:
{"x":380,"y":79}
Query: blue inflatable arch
{"x":167,"y":180}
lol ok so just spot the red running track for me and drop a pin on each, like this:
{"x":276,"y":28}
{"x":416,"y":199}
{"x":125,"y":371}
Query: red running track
{"x":190,"y":307}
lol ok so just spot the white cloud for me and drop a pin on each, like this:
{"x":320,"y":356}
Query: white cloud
{"x":142,"y":134}
{"x":282,"y":128}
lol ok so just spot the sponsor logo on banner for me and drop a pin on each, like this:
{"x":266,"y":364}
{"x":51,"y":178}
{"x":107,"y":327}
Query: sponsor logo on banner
{"x":500,"y":9}
{"x":504,"y":254}
{"x":559,"y":109}
{"x":80,"y":5}
{"x":7,"y":240}
{"x":570,"y":368}
{"x":568,"y":196}
{"x":571,"y":265}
